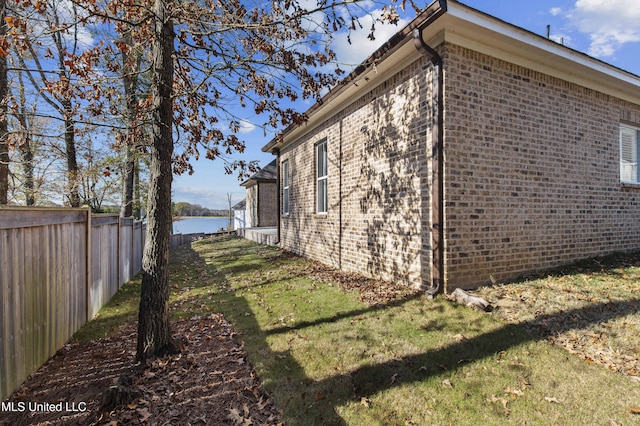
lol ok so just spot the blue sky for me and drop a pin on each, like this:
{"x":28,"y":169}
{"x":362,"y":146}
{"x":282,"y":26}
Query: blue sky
{"x":605,"y":29}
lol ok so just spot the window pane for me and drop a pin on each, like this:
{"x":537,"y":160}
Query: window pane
{"x":322,"y":196}
{"x":322,"y":159}
{"x":285,"y":201}
{"x":321,"y":175}
{"x":285,"y":173}
{"x":628,"y":154}
{"x":285,"y":187}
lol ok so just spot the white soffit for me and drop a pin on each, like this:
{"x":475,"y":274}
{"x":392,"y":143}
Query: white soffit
{"x":488,"y":35}
{"x":477,"y":31}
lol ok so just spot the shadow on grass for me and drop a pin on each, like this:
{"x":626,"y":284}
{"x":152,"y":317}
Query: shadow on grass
{"x":342,"y":315}
{"x":121,"y":309}
{"x":370,"y":379}
{"x":609,"y":265}
{"x":282,"y":370}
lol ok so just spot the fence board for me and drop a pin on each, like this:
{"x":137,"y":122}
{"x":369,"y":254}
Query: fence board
{"x":139,"y":238}
{"x":57,"y":268}
{"x":178,"y":240}
{"x":4,"y":270}
{"x":30,"y":217}
{"x":126,"y":250}
{"x":104,"y":261}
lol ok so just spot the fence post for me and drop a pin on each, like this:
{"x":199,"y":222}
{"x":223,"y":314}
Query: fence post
{"x":133,"y":249}
{"x":119,"y":256}
{"x":89,"y":272}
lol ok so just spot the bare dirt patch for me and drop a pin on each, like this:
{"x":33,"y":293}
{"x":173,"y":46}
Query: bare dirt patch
{"x":210,"y":382}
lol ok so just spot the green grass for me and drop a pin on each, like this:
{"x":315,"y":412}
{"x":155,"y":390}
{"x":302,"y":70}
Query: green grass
{"x":121,"y":309}
{"x":328,"y":358}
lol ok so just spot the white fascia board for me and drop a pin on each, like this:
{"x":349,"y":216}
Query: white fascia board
{"x":477,"y":31}
{"x":485,"y":34}
{"x":377,"y":74}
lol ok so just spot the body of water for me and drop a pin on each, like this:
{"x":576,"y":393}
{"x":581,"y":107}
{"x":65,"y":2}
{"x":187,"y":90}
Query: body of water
{"x":193,"y":225}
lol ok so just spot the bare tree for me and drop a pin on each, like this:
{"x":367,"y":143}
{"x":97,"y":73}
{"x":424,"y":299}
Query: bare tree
{"x":213,"y":63}
{"x":4,"y":94}
{"x":154,"y":330}
{"x":24,"y":141}
{"x":131,"y":54}
{"x":59,"y":66}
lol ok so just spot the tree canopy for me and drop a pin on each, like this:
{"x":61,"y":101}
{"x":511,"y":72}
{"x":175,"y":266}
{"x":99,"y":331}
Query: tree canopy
{"x":188,"y":76}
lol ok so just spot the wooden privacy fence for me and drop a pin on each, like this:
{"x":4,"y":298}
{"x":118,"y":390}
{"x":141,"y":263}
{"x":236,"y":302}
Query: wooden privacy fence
{"x":58,"y":267}
{"x":178,"y":240}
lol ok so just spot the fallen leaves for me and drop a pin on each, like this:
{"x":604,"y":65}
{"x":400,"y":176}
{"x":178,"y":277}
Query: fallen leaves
{"x":588,"y":314}
{"x":514,"y":392}
{"x":372,"y":291}
{"x":240,"y":418}
{"x":209,"y":383}
{"x":501,"y":403}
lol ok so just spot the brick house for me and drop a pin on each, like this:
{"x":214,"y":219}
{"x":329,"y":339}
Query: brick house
{"x":261,"y":202}
{"x":464,"y":150}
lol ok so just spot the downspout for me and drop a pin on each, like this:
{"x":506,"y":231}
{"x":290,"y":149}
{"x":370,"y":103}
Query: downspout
{"x":437,"y":155}
{"x":278,"y":200}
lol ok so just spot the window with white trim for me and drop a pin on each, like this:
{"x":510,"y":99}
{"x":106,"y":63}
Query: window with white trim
{"x":285,"y":187}
{"x":629,"y":153}
{"x":321,"y":177}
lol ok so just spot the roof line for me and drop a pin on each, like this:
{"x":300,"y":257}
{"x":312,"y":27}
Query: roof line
{"x":431,"y":13}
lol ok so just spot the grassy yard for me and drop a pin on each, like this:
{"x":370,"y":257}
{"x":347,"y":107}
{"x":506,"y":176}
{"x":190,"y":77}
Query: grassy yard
{"x":326,"y":357}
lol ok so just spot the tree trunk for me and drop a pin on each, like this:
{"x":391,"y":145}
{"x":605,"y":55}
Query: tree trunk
{"x":130,"y":73}
{"x":127,"y":187}
{"x":26,"y":154}
{"x":4,"y":88}
{"x":137,"y":198}
{"x":73,"y":174}
{"x":154,"y":331}
{"x":26,"y":150}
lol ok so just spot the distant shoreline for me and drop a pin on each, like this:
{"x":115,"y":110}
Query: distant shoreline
{"x":179,"y":218}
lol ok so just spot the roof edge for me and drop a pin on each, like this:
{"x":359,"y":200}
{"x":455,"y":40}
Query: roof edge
{"x":431,"y":13}
{"x":591,"y":72}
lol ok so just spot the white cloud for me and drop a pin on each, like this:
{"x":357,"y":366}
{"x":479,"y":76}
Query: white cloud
{"x":63,"y":11}
{"x":555,"y":11}
{"x":361,"y":47}
{"x":563,"y":39}
{"x":246,"y":126}
{"x":609,"y":24}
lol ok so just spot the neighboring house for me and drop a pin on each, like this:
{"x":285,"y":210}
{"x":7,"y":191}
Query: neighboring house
{"x":262,"y":197}
{"x":463,"y":151}
{"x":239,"y":215}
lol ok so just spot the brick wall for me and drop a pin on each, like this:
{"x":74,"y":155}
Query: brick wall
{"x":252,"y":205}
{"x":531,"y":176}
{"x":532,"y":171}
{"x":267,"y":204}
{"x":261,"y":204}
{"x":378,"y":217}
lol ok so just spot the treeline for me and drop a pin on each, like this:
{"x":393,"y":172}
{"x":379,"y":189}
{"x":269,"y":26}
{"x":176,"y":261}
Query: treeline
{"x":186,"y":209}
